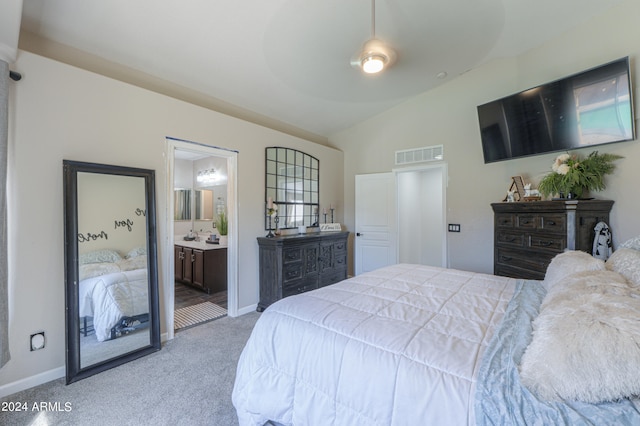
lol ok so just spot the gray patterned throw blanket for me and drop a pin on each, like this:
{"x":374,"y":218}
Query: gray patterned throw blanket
{"x":500,"y":397}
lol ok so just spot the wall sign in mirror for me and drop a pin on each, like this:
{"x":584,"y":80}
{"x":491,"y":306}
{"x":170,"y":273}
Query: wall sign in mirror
{"x":110,"y":266}
{"x":292,"y":182}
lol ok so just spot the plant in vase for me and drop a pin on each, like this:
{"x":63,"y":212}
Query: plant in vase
{"x":572,"y":176}
{"x":222,"y":224}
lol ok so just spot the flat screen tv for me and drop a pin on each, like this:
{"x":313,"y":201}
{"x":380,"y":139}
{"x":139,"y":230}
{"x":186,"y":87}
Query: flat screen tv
{"x":593,"y":107}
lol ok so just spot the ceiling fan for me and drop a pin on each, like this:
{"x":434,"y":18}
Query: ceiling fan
{"x":375,"y":55}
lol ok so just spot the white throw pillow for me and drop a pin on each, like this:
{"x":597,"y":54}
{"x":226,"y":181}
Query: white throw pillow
{"x":99,"y":256}
{"x":633,"y":243}
{"x":626,"y":262}
{"x":586,"y":341}
{"x":568,"y":263}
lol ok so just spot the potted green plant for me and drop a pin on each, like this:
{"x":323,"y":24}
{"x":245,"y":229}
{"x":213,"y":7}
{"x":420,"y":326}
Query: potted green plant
{"x":222,"y":224}
{"x":573,"y":176}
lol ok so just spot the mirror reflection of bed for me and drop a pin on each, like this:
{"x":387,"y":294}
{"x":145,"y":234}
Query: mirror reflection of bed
{"x":200,"y":257}
{"x":113,"y":298}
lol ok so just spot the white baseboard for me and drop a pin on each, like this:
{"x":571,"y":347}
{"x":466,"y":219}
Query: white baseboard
{"x":247,"y":309}
{"x":29,"y":382}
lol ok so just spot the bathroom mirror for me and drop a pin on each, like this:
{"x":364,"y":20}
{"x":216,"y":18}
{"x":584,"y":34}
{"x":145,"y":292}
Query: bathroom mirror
{"x":111,"y":278}
{"x":187,"y":200}
{"x":292,"y":182}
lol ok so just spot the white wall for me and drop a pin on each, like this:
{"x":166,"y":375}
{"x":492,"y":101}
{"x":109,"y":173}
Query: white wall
{"x":60,"y":112}
{"x":447,"y":115}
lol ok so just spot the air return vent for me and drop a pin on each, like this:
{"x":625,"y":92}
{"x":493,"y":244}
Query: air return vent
{"x":420,"y":155}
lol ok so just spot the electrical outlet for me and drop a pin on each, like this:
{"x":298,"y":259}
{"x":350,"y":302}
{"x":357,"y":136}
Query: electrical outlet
{"x":37,"y":341}
{"x":454,"y":227}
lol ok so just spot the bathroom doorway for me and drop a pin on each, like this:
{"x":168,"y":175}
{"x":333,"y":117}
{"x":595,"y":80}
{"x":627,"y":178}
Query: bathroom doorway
{"x":202,"y":269}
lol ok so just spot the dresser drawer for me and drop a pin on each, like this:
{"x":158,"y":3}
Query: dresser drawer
{"x":299,"y":286}
{"x":341,"y":260}
{"x":291,"y":254}
{"x":516,"y":272}
{"x":505,"y":220}
{"x":292,"y":271}
{"x":516,"y":239}
{"x":527,"y":221}
{"x":340,"y":246}
{"x":553,"y":223}
{"x":524,"y":259}
{"x":554,"y":243}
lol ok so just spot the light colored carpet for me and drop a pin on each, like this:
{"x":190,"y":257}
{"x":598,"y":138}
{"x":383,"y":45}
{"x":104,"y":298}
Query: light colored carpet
{"x":195,"y":314}
{"x":188,"y":382}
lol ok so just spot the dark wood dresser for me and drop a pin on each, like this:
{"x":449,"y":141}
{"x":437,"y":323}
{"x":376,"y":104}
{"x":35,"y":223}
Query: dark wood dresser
{"x":297,"y":263}
{"x":527,"y":235}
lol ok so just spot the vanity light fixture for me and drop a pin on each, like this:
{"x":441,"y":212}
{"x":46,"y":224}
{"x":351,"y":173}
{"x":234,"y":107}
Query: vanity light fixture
{"x":208,"y":176}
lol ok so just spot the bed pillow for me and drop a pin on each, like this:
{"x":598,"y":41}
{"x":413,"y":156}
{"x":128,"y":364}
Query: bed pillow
{"x":586,"y":341}
{"x":568,"y":263}
{"x":138,"y":262}
{"x":138,"y":251}
{"x":633,"y":243}
{"x":626,"y":262}
{"x":91,"y":270}
{"x":99,"y":256}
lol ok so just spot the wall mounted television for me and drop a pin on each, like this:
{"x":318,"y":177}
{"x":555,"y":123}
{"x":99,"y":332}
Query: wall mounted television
{"x":590,"y":108}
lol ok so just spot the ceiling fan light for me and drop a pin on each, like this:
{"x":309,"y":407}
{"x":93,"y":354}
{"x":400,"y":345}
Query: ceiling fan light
{"x":372,"y":64}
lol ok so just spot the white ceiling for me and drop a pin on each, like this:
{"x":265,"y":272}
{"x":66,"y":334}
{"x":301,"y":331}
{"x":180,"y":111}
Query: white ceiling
{"x":288,"y":60}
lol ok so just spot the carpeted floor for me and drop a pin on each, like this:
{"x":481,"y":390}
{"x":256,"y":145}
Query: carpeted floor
{"x":188,"y":382}
{"x":202,"y":312}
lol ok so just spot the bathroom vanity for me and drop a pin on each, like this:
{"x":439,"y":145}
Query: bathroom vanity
{"x":201,"y":265}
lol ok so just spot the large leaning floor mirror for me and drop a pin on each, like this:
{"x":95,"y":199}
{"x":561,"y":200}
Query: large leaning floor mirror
{"x":110,"y":266}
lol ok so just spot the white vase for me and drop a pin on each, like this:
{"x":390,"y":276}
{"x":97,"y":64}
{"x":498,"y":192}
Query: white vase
{"x":224,"y":240}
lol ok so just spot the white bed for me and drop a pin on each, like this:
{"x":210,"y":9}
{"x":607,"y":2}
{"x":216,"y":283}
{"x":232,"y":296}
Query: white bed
{"x":113,"y":289}
{"x":399,"y":326}
{"x":405,"y":345}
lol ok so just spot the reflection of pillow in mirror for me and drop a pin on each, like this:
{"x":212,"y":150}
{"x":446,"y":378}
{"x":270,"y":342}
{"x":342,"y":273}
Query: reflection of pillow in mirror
{"x":99,"y":256}
{"x":138,"y":251}
{"x":139,"y":262}
{"x":633,"y":243}
{"x":626,"y":262}
{"x":570,"y":262}
{"x":91,"y":270}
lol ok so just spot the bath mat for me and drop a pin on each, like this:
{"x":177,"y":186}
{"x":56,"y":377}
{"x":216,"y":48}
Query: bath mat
{"x":195,"y":314}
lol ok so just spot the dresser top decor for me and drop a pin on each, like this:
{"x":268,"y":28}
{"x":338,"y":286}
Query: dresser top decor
{"x":573,"y":175}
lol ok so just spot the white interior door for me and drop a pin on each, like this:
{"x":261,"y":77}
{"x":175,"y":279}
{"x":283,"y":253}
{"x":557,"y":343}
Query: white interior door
{"x":376,"y":222}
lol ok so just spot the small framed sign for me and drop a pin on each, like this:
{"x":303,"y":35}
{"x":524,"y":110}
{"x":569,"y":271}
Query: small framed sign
{"x":330,"y":227}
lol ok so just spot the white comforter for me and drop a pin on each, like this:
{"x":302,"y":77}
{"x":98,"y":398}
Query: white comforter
{"x":397,"y":346}
{"x":107,"y":298}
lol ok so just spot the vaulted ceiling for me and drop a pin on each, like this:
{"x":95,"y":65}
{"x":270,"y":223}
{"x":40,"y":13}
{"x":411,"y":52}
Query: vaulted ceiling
{"x":286,"y":63}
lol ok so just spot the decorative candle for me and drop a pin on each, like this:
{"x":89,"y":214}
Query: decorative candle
{"x":270,"y":202}
{"x":324,"y":211}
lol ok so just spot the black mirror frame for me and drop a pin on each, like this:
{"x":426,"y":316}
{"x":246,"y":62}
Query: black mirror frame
{"x":70,"y":191}
{"x":313,"y":218}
